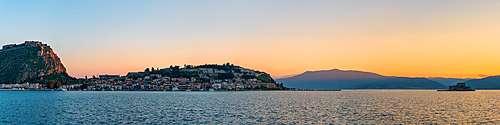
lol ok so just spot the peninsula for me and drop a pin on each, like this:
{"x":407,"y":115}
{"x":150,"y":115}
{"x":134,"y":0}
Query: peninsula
{"x":33,"y":65}
{"x":225,"y":77}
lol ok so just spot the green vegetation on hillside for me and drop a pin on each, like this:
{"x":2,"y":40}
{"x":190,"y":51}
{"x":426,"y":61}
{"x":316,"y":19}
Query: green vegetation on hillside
{"x":207,"y":72}
{"x":23,"y":64}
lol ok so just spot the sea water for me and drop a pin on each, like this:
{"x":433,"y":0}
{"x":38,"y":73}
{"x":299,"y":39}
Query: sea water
{"x":250,"y":107}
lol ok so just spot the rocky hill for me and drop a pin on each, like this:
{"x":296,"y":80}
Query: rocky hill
{"x":209,"y":73}
{"x":31,"y":61}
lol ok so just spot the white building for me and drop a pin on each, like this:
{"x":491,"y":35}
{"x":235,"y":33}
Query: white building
{"x":217,"y":86}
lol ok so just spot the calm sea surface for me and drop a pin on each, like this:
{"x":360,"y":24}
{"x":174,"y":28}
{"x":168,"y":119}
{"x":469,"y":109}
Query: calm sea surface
{"x":345,"y":107}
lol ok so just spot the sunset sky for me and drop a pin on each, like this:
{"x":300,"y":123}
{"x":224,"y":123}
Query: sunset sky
{"x":281,"y":37}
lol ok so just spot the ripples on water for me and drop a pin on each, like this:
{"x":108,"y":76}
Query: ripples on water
{"x":345,"y":107}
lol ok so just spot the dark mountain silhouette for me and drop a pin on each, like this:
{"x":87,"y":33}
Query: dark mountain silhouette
{"x":447,"y":81}
{"x":403,"y":83}
{"x":492,"y":82}
{"x":336,"y":74}
{"x":351,"y":79}
{"x":331,"y":79}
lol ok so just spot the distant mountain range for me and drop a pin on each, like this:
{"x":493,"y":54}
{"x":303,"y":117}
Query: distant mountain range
{"x":403,"y":83}
{"x":447,"y":81}
{"x":352,"y":79}
{"x":492,"y":82}
{"x":330,"y":79}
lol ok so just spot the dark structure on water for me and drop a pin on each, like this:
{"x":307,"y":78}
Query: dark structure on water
{"x":459,"y":87}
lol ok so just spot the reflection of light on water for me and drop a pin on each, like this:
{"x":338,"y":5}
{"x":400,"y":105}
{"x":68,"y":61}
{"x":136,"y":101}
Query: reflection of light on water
{"x":345,"y":107}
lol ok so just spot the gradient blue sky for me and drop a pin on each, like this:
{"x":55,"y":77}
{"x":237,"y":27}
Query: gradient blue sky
{"x":399,"y":38}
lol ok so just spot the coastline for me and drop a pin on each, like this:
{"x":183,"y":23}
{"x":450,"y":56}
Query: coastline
{"x":172,"y":91}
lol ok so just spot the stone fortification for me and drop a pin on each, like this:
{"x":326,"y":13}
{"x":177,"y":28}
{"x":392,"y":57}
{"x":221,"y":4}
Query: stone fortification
{"x":30,"y":61}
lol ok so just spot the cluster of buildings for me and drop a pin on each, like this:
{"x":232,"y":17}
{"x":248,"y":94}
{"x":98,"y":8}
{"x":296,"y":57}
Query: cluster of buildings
{"x":203,"y":77}
{"x":22,"y":86}
{"x":35,"y":86}
{"x":28,"y":43}
{"x":152,"y":82}
{"x":156,"y":82}
{"x":459,"y":87}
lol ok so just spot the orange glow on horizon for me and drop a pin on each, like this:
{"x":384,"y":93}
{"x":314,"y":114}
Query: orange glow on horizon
{"x":392,"y":43}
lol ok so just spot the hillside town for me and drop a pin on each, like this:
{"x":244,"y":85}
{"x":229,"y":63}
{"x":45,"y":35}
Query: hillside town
{"x":208,"y":77}
{"x":33,"y":65}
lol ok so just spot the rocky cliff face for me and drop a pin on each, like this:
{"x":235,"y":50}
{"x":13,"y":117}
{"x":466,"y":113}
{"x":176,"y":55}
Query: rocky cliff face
{"x":31,"y":61}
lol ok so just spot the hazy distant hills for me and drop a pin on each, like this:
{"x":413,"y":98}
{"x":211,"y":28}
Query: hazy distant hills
{"x":403,"y":83}
{"x":492,"y":82}
{"x":448,"y":81}
{"x":336,"y":74}
{"x":334,"y":79}
{"x":330,"y":79}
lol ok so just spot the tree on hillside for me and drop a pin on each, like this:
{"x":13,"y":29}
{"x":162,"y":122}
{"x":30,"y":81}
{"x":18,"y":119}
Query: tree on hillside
{"x":226,"y":76}
{"x":52,"y":84}
{"x":83,"y":86}
{"x":280,"y":85}
{"x":175,"y":69}
{"x":147,"y":70}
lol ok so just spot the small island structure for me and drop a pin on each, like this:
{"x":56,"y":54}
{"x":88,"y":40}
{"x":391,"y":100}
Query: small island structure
{"x":458,"y":87}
